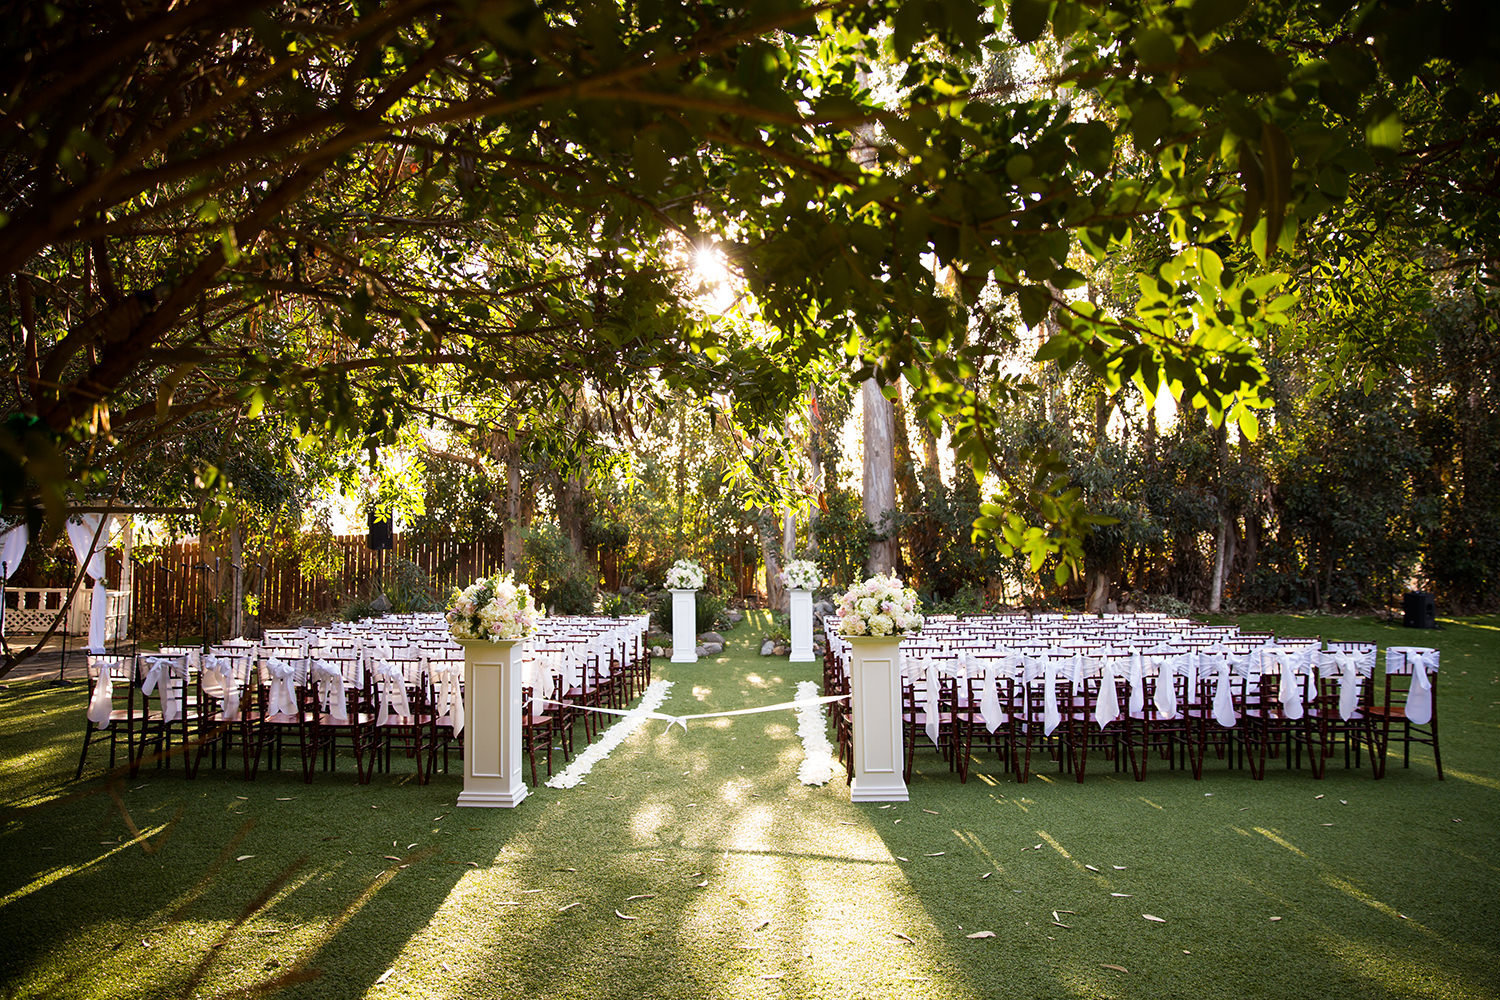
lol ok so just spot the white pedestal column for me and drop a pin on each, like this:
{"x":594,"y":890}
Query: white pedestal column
{"x":802,"y":631}
{"x":875,"y":699}
{"x":684,"y":626}
{"x":492,"y":725}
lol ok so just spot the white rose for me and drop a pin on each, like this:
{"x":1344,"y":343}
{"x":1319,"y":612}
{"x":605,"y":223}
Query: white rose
{"x":881,"y":625}
{"x":852,"y":625}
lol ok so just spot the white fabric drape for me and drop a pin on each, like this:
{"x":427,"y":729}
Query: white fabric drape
{"x":283,"y":688}
{"x":1107,"y":705}
{"x":101,"y":702}
{"x":81,"y":531}
{"x":170,"y":674}
{"x":12,"y":549}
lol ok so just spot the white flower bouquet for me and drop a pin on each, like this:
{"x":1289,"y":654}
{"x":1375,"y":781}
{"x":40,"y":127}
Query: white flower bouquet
{"x":802,"y":574}
{"x":686,"y":575}
{"x":880,"y":606}
{"x":492,"y":608}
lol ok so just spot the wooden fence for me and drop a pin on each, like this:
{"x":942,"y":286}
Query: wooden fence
{"x":177,"y":589}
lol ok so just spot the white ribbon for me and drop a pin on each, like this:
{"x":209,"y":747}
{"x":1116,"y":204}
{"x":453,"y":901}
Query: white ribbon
{"x":1051,"y":717}
{"x":1419,"y":696}
{"x":989,"y":692}
{"x":1223,"y":711}
{"x":330,"y":681}
{"x":1137,"y":686}
{"x":283,"y":696}
{"x":1107,"y":706}
{"x":1165,"y":697}
{"x":930,"y":691}
{"x":222,"y":684}
{"x":449,"y":696}
{"x":1290,"y":694}
{"x":101,"y":702}
{"x":166,"y":672}
{"x":391,"y":685}
{"x":1347,"y":664}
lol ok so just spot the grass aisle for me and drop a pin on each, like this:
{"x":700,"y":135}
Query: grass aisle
{"x":694,"y":864}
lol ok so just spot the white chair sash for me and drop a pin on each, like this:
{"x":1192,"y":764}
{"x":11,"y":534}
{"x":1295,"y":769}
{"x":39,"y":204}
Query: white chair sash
{"x":1223,"y":704}
{"x":1290,"y":693}
{"x":1419,"y":696}
{"x":168,"y":673}
{"x":283,"y":687}
{"x":222,"y":684}
{"x":1051,"y":717}
{"x":1346,"y":664}
{"x":391,"y":689}
{"x":1165,"y":696}
{"x":449,"y":695}
{"x":330,"y":683}
{"x":101,"y":702}
{"x":1137,"y":685}
{"x":1107,"y":705}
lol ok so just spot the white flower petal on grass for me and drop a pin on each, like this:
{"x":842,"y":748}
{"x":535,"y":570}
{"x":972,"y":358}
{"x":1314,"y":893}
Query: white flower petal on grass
{"x":601,"y":748}
{"x":818,"y":760}
{"x":980,"y":934}
{"x":1153,"y":919}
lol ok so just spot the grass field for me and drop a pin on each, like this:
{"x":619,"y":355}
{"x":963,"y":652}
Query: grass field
{"x":693,"y":864}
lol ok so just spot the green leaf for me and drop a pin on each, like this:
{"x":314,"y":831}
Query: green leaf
{"x":1276,"y":153}
{"x":1035,"y":301}
{"x":1028,"y":18}
{"x":1206,"y":15}
{"x":1383,"y":128}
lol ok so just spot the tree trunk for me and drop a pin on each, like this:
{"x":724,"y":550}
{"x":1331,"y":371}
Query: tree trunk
{"x":816,"y":479}
{"x":788,"y":536}
{"x":776,"y":596}
{"x":511,"y":544}
{"x":1216,"y":584}
{"x":879,"y":473}
{"x":237,"y":588}
{"x":931,"y":459}
{"x":1097,"y":591}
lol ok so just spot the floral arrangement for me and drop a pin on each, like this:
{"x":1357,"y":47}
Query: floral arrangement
{"x":686,"y":575}
{"x":880,"y":606}
{"x":802,"y":574}
{"x":492,"y":608}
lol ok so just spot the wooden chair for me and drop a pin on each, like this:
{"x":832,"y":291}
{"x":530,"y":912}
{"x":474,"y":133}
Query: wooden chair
{"x":1407,"y":710}
{"x":115,"y":709}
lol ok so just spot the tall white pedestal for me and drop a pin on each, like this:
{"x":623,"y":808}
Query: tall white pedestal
{"x":875,"y":700}
{"x":492,"y":725}
{"x":684,"y":626}
{"x":802,"y":626}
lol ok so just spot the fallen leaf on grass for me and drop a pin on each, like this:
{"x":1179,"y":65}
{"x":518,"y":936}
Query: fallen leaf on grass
{"x":391,"y":857}
{"x":903,"y":937}
{"x":986,"y":875}
{"x":936,"y":854}
{"x":285,"y":798}
{"x":644,"y":895}
{"x":244,"y":857}
{"x":533,"y":890}
{"x":1318,"y":796}
{"x":623,"y":916}
{"x":1153,"y":919}
{"x":1275,"y":920}
{"x":980,"y":934}
{"x":774,"y":975}
{"x":847,"y":822}
{"x":384,"y":976}
{"x":761,"y":926}
{"x":900,"y":858}
{"x":933,"y":811}
{"x":1117,"y":968}
{"x":565,"y":909}
{"x":1118,"y":868}
{"x":1092,"y":869}
{"x":472,"y":864}
{"x":1059,"y":923}
{"x":1122,"y":895}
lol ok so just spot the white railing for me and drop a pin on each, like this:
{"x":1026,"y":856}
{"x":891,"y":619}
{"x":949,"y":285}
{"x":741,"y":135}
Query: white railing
{"x":31,"y":611}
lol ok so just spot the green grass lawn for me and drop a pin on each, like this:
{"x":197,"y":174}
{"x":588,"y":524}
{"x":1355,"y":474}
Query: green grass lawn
{"x":693,"y":864}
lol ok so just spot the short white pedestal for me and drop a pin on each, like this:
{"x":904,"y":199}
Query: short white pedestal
{"x":492,"y":725}
{"x":684,"y":626}
{"x":875,"y":700}
{"x":802,"y":632}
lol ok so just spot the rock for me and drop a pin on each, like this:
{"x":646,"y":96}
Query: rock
{"x":1111,"y":608}
{"x":767,"y":648}
{"x":734,"y":616}
{"x":782,"y":651}
{"x":711,"y":649}
{"x":707,"y":637}
{"x":658,"y":652}
{"x":702,"y":651}
{"x":308,"y":623}
{"x":381,"y":604}
{"x":824,"y":608}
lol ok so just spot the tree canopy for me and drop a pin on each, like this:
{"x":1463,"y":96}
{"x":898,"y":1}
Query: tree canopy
{"x":351,"y":218}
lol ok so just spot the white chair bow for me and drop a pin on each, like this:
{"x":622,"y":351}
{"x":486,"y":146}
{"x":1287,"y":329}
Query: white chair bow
{"x":330,"y":682}
{"x":222,"y":684}
{"x":1290,"y":694}
{"x":1165,"y":697}
{"x":283,"y":687}
{"x":101,"y":702}
{"x":1419,"y":696}
{"x":168,"y":673}
{"x":1346,"y":665}
{"x":390,"y":685}
{"x":1107,"y":705}
{"x":449,"y":695}
{"x":1137,"y":685}
{"x":1223,"y":703}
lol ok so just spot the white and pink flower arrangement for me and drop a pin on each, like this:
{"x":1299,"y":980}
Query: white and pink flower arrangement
{"x":686,"y":575}
{"x":880,"y":606}
{"x":802,"y":574}
{"x":492,"y":608}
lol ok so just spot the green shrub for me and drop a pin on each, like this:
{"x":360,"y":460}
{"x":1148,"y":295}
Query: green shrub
{"x":410,"y":589}
{"x":710,"y":608}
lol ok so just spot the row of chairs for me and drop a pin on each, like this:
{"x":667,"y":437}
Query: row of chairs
{"x":262,"y":705}
{"x":1091,"y":715}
